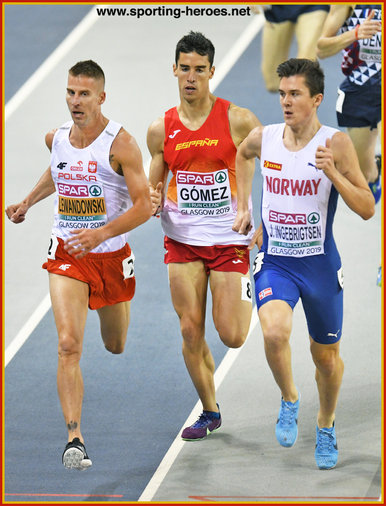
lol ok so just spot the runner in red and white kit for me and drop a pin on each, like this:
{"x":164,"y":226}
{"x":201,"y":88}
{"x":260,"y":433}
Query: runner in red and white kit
{"x":101,"y":193}
{"x":197,"y":142}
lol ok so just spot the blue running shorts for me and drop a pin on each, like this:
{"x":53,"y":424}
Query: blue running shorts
{"x":281,"y":13}
{"x":359,"y":106}
{"x":316,"y":280}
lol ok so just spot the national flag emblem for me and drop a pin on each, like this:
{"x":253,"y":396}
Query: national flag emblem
{"x":92,"y":167}
{"x":264,"y":293}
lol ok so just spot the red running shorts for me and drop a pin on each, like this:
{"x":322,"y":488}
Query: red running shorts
{"x":224,"y":258}
{"x":110,"y":276}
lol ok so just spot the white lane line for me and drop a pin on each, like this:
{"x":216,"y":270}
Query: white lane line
{"x":177,"y":445}
{"x":46,"y":67}
{"x":27,"y":329}
{"x":237,"y":50}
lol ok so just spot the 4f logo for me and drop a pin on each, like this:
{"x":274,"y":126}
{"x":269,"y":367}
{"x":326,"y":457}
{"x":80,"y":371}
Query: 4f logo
{"x":61,"y":165}
{"x":64,"y":267}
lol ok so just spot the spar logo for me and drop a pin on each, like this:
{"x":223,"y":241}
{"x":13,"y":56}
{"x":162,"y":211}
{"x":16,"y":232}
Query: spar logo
{"x":287,"y":218}
{"x":201,"y":178}
{"x":195,"y":178}
{"x":272,"y":165}
{"x":313,"y":218}
{"x":95,"y":190}
{"x":72,"y":190}
{"x":220,"y":176}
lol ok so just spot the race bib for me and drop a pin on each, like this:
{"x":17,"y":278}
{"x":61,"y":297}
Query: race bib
{"x":294,"y":234}
{"x":52,"y":247}
{"x":128,"y":266}
{"x":81,"y":205}
{"x":204,"y":193}
{"x":370,"y":50}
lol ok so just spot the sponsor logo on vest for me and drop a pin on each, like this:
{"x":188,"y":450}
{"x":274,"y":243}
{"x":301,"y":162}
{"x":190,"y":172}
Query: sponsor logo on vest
{"x":174,"y":133}
{"x":301,"y":187}
{"x":71,"y":190}
{"x":195,"y":178}
{"x":287,"y":218}
{"x":197,"y":143}
{"x":81,"y":207}
{"x":95,"y":191}
{"x":76,"y":177}
{"x":92,"y":167}
{"x":309,"y":164}
{"x":61,"y":165}
{"x":272,"y":165}
{"x":201,"y":178}
{"x":313,"y":218}
{"x":77,"y":168}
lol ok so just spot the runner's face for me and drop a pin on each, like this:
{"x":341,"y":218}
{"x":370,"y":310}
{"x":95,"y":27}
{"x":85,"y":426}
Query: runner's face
{"x":296,"y":102}
{"x":84,"y":98}
{"x":193,"y":72}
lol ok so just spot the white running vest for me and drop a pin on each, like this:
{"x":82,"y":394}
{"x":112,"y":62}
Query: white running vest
{"x":89,"y":193}
{"x":296,"y":194}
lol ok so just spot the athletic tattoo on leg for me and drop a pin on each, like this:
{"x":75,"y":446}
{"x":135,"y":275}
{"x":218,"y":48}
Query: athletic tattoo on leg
{"x":72,"y":425}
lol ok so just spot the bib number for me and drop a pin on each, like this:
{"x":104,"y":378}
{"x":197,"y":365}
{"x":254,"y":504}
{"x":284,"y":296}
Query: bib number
{"x":128,"y":266}
{"x":246,"y":292}
{"x":258,"y":263}
{"x":52,"y":247}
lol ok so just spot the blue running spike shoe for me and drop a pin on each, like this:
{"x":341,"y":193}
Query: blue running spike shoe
{"x":375,"y":186}
{"x":287,"y":423}
{"x":208,"y":421}
{"x":326,"y":448}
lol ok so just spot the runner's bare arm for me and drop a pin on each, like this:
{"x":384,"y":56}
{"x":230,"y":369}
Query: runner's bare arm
{"x":158,"y":168}
{"x":339,"y":161}
{"x":44,"y":187}
{"x":330,"y":43}
{"x":245,"y":168}
{"x":241,"y":122}
{"x":125,"y":158}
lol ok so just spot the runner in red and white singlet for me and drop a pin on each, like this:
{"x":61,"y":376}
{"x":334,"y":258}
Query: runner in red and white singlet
{"x":197,"y":142}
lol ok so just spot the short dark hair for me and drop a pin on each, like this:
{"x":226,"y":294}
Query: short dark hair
{"x":195,"y":42}
{"x":310,"y":69}
{"x":87,"y":68}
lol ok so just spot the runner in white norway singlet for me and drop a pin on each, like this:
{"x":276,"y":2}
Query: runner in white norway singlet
{"x":299,"y":257}
{"x":296,"y":196}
